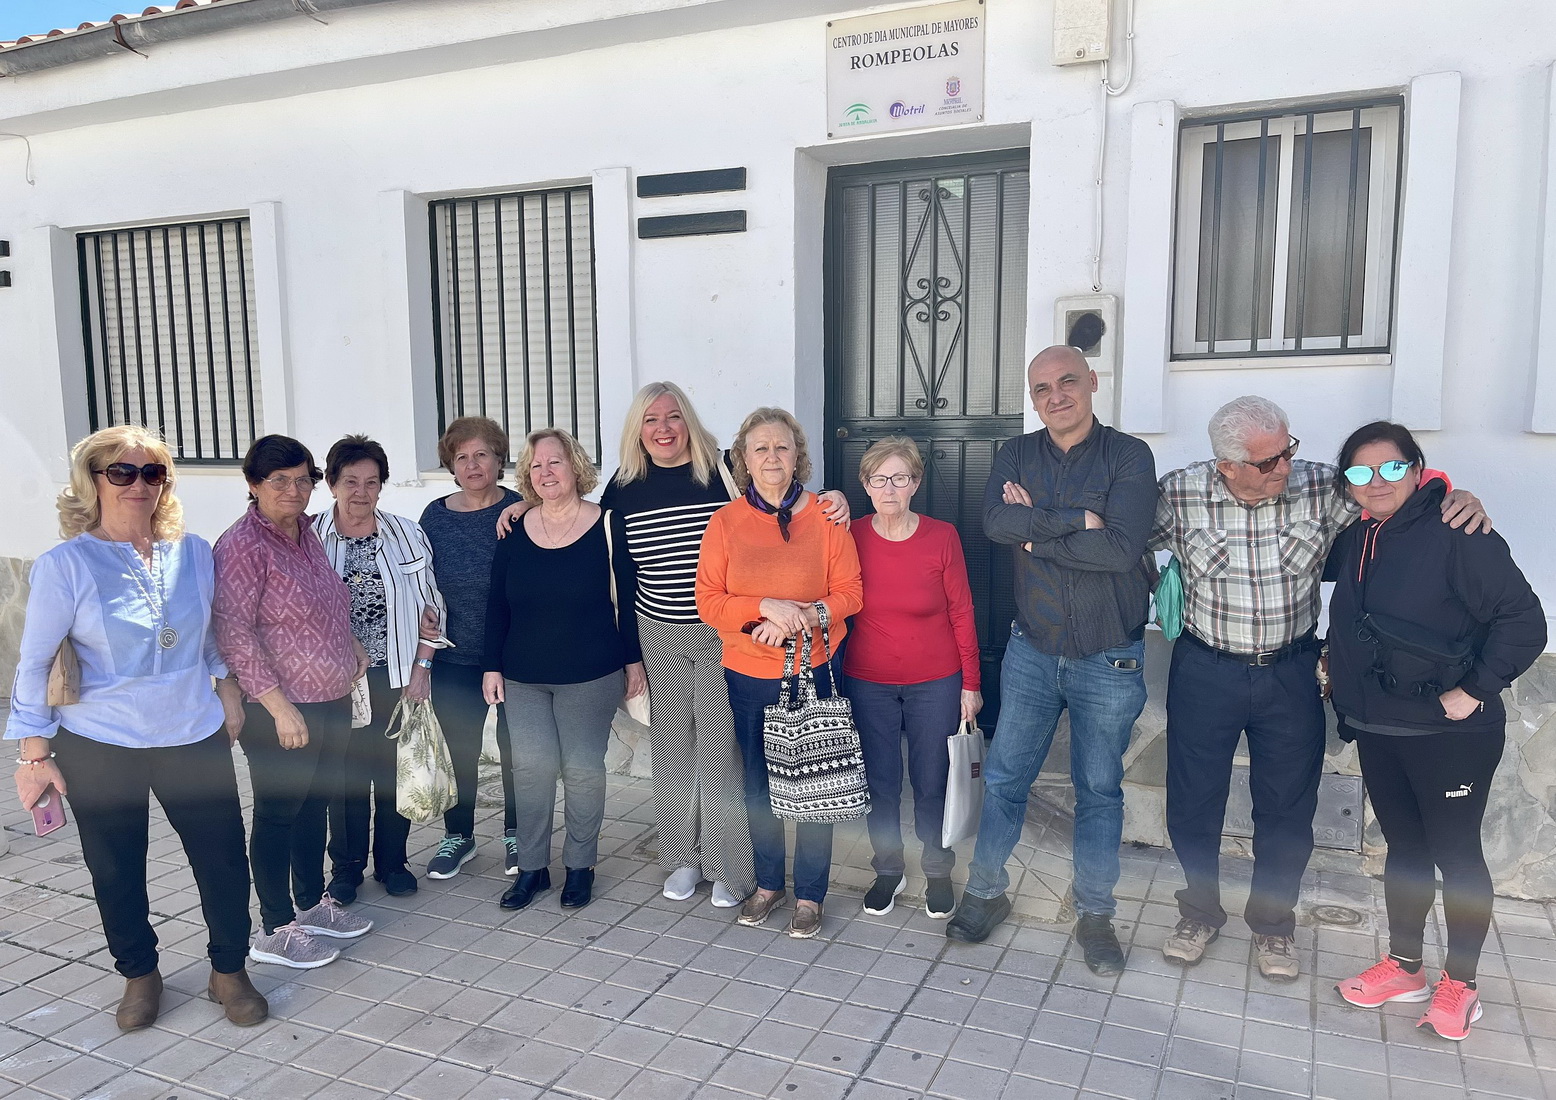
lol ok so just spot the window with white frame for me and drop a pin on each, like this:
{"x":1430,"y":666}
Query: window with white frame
{"x":513,"y":311}
{"x":167,"y":318}
{"x":1285,"y":232}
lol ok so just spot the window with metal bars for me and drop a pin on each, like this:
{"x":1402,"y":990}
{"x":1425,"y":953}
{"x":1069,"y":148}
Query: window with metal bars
{"x":513,"y":311}
{"x":167,"y":316}
{"x":1286,"y":227}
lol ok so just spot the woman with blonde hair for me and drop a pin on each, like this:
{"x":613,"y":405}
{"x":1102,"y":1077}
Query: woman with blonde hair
{"x":557,"y":655}
{"x":130,"y":592}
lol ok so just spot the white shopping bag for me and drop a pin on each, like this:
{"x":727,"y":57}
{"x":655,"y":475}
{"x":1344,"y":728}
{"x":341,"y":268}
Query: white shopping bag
{"x":964,"y":786}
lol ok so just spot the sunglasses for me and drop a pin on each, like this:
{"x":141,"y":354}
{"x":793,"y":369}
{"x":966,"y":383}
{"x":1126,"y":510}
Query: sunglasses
{"x":1388,"y":471}
{"x":122,"y":473}
{"x":1267,"y":466}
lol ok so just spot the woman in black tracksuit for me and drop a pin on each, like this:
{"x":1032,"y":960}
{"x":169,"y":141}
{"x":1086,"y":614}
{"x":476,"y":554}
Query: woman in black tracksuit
{"x":1428,"y":625}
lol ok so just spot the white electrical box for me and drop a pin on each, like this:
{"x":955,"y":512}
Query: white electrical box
{"x":1101,"y":352}
{"x":1081,"y":31}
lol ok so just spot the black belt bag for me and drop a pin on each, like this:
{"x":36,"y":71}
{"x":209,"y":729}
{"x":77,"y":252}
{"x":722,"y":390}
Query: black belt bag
{"x":1409,"y":660}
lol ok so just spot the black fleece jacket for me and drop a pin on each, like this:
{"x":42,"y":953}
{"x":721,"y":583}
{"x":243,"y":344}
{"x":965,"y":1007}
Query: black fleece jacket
{"x":1413,"y":566}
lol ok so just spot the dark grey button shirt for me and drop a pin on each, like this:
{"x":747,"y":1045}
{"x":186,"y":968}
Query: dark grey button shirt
{"x":1078,"y":592}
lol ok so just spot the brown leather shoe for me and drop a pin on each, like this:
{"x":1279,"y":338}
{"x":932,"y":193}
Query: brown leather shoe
{"x":141,"y":1002}
{"x":245,"y":1005}
{"x":757,"y":909}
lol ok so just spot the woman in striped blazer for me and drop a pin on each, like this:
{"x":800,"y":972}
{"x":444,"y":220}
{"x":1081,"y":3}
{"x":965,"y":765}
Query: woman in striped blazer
{"x":386,"y":562}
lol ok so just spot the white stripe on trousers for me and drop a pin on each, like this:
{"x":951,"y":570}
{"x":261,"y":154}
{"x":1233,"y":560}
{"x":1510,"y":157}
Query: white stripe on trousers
{"x":692,"y":753}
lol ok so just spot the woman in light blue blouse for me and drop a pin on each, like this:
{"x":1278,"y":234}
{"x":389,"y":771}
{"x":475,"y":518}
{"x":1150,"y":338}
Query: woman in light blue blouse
{"x":131,"y":593}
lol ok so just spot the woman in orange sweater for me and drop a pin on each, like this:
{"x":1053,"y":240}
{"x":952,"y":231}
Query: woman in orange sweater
{"x":768,"y":560}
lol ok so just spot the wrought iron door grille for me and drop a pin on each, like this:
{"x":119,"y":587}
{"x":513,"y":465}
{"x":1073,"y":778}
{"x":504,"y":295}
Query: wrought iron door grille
{"x":514,"y":311}
{"x":168,"y":323}
{"x":1286,"y":229}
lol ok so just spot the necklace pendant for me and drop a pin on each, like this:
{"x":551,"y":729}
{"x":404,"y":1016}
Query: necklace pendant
{"x":167,"y":637}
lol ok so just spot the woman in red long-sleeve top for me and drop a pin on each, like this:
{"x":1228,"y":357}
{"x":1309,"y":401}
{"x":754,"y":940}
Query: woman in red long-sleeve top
{"x":911,"y":669}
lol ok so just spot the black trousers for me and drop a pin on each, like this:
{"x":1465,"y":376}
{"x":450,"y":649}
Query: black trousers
{"x":1430,"y":797}
{"x":1211,"y":702}
{"x":292,"y":792}
{"x":368,"y":784}
{"x":456,"y":695}
{"x":109,"y":796}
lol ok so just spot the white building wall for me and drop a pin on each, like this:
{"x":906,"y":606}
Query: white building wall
{"x":335,"y":136}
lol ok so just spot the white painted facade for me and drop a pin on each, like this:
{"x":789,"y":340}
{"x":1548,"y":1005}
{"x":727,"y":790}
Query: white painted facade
{"x":333,"y":138}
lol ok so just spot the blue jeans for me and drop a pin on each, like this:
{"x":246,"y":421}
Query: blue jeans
{"x":1103,"y":701}
{"x":926,"y":714}
{"x":748,"y":697}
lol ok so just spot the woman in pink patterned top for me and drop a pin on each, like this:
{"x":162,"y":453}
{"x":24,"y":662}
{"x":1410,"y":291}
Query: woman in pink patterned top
{"x":283,"y":626}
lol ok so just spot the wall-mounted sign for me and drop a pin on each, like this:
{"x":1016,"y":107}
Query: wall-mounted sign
{"x":908,"y":69}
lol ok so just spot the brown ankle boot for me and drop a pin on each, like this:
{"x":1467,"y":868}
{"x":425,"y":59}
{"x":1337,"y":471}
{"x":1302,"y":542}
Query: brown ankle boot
{"x":141,"y":1001}
{"x":245,"y":1005}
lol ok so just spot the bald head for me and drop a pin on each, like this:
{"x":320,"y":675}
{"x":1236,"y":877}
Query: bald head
{"x":1061,"y":384}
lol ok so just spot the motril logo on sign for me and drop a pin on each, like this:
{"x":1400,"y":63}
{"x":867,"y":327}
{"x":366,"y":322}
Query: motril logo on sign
{"x":909,"y":69}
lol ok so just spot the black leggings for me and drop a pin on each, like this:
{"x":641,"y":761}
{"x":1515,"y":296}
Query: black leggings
{"x":456,"y":696}
{"x":362,"y":816}
{"x":1429,"y":794}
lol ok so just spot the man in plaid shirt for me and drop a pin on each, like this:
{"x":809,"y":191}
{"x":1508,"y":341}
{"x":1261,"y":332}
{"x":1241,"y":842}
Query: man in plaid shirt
{"x":1251,"y":531}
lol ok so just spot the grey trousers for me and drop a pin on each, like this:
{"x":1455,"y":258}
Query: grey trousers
{"x":692,"y":754}
{"x":560,"y":731}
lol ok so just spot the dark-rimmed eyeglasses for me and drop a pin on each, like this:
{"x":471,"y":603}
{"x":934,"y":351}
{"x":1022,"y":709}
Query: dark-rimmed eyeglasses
{"x":880,"y":481}
{"x":1267,"y":465}
{"x":1393,"y":471}
{"x":123,"y":473}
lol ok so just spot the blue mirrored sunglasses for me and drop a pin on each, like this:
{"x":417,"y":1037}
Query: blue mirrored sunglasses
{"x":1388,"y":471}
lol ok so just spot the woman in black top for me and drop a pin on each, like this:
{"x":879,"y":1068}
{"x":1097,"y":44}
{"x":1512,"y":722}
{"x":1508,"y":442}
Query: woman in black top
{"x":1428,"y":625}
{"x":556,"y":656}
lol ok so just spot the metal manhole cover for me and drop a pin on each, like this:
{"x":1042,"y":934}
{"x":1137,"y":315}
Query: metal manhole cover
{"x":1336,"y":914}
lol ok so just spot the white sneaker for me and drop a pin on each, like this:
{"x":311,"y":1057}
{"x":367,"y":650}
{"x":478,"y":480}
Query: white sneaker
{"x":724,"y":897}
{"x":682,"y":883}
{"x":292,"y":946}
{"x":329,"y":919}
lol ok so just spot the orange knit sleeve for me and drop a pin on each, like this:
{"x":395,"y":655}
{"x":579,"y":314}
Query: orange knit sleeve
{"x":716,"y":605}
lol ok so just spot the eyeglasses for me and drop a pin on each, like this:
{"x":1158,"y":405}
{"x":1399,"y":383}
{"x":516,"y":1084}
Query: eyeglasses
{"x":1267,"y":466}
{"x":1388,"y":471}
{"x":280,"y":484}
{"x":123,"y":473}
{"x":879,"y":481}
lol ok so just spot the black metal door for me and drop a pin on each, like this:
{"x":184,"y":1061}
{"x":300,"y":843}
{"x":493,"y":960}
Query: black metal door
{"x":926,"y":309}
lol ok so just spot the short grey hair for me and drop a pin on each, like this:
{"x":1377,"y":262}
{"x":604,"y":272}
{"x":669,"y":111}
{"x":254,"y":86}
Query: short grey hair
{"x":1234,"y":422}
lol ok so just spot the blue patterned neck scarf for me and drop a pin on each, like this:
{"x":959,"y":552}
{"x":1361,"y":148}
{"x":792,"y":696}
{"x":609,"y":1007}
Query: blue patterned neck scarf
{"x":785,"y":509}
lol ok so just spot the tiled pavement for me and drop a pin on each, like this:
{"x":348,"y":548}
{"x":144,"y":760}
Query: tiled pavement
{"x":642,"y":998}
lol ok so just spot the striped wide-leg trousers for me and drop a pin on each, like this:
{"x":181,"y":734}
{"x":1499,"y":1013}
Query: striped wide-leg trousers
{"x":697,"y":777}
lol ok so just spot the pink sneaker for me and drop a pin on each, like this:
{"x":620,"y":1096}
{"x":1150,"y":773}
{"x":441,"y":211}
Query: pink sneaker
{"x":1455,"y":1006}
{"x":1386,"y":981}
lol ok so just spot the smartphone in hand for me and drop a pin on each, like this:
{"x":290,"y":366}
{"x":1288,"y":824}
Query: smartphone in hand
{"x":48,"y":813}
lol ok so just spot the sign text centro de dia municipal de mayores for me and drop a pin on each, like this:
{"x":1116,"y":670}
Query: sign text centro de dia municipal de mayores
{"x":908,"y":69}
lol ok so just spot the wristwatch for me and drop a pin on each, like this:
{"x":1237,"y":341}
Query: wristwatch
{"x":425,"y":662}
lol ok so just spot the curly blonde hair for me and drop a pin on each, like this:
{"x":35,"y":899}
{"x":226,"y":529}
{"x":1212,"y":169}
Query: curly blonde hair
{"x":767,"y":414}
{"x":585,"y":472}
{"x":79,"y":507}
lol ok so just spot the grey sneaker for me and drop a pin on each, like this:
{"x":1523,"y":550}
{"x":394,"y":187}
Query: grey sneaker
{"x":682,"y":883}
{"x":1186,"y":943}
{"x":292,"y":946}
{"x":1277,"y":957}
{"x":454,"y":851}
{"x":510,"y":850}
{"x":328,"y":918}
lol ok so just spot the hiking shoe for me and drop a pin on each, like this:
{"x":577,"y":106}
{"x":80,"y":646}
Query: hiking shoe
{"x":1384,"y":981}
{"x":1455,"y":1006}
{"x":757,"y":909}
{"x":510,"y":852}
{"x":1277,"y":957}
{"x":329,"y":919}
{"x":291,"y":946}
{"x":1187,"y":941}
{"x":682,"y":883}
{"x":1099,"y":944}
{"x":977,"y":917}
{"x":725,"y":898}
{"x":454,"y":851}
{"x":939,"y":899}
{"x":882,"y":897}
{"x":806,"y":921}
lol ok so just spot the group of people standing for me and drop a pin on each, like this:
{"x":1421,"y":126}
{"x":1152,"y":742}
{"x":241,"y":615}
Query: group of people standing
{"x":688,"y":581}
